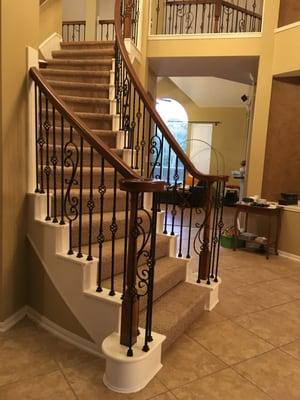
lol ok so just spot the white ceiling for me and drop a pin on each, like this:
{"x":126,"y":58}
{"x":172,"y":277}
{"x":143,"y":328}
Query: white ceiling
{"x":238,"y":69}
{"x":213,"y":92}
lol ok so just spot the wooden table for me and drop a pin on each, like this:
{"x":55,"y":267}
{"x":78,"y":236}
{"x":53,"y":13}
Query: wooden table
{"x":263,"y":211}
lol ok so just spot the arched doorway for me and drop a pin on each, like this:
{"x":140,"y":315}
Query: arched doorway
{"x":176,"y":119}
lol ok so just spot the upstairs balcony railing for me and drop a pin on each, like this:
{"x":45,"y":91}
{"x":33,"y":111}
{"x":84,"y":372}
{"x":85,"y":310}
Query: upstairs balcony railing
{"x":183,"y":17}
{"x":73,"y":31}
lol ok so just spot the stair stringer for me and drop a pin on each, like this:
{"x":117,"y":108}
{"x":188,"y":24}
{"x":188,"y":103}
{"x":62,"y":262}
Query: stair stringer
{"x":99,"y":313}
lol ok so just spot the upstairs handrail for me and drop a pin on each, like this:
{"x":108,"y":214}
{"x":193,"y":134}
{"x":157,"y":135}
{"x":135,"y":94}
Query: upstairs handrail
{"x":166,"y":133}
{"x":81,"y":128}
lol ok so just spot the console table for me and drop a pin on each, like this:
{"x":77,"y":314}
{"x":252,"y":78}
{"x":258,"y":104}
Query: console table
{"x":270,"y":213}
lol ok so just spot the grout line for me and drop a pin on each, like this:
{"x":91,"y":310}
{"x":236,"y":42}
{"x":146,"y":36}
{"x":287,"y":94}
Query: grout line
{"x":67,"y":381}
{"x":253,"y":384}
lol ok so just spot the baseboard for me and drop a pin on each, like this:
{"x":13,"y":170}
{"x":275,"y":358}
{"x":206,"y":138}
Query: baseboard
{"x":51,"y":327}
{"x":291,"y":256}
{"x":62,"y":333}
{"x":13,"y":320}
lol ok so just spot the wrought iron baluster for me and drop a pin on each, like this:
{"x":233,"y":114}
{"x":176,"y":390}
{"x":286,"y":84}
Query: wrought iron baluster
{"x":168,"y":190}
{"x":47,"y":169}
{"x":138,"y":124}
{"x":151,"y":270}
{"x":220,"y":227}
{"x":113,"y":229}
{"x":91,"y":204}
{"x":71,"y":158}
{"x":143,"y":143}
{"x":101,"y":238}
{"x":37,"y":190}
{"x":125,"y":243}
{"x":175,"y":189}
{"x":62,"y":220}
{"x":188,"y":254}
{"x":183,"y":205}
{"x":54,"y":163}
{"x":41,"y":142}
{"x":79,"y":254}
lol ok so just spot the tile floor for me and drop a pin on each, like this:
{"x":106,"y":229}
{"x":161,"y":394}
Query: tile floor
{"x":247,"y":348}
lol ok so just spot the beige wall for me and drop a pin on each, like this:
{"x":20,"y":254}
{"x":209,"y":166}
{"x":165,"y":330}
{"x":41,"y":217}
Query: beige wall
{"x":290,"y":233}
{"x":13,"y":148}
{"x":228,"y":137}
{"x":45,"y":299}
{"x":50,"y":19}
{"x":287,"y":62}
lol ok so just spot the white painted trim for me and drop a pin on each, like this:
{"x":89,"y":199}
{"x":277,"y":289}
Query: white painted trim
{"x":287,"y":27}
{"x":121,"y":372}
{"x":13,"y":319}
{"x":62,"y":333}
{"x":246,"y":35}
{"x":50,"y":44}
{"x":32,"y":61}
{"x":291,"y":256}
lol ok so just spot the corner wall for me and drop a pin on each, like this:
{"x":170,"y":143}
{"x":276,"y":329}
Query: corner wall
{"x":13,"y":148}
{"x":50,"y":19}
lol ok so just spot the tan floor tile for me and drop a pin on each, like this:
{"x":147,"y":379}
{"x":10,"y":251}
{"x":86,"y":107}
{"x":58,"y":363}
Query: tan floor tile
{"x":23,"y":357}
{"x":86,"y":381}
{"x":47,"y":387}
{"x":229,"y":342}
{"x":279,"y":325}
{"x":287,"y":285}
{"x":186,"y":361}
{"x":293,"y":349}
{"x":276,"y":373}
{"x":232,"y":305}
{"x":224,"y":385}
{"x":165,"y":396}
{"x":65,"y":354}
{"x":263,"y":295}
{"x":208,"y":317}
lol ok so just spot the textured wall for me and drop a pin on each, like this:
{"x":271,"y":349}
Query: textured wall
{"x":50,"y":19}
{"x":282,"y":161}
{"x":46,"y":300}
{"x":13,"y":147}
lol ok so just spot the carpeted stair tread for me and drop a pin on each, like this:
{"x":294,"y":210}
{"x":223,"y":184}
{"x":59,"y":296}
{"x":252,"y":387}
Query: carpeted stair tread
{"x":79,"y":85}
{"x":83,"y":53}
{"x":86,"y":100}
{"x":87,"y":44}
{"x":169,"y":272}
{"x":176,"y":310}
{"x":81,"y":65}
{"x":162,"y":244}
{"x":73,"y":75}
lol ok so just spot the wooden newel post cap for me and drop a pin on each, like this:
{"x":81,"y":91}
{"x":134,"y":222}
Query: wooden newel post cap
{"x":141,"y":185}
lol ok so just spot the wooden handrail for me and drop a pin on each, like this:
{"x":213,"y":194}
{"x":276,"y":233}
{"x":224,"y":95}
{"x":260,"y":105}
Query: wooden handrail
{"x":148,"y":102}
{"x":74,"y":22}
{"x":83,"y":130}
{"x":106,"y":21}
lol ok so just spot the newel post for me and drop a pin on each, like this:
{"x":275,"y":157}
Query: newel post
{"x":128,"y":4}
{"x":218,"y":11}
{"x":130,"y":305}
{"x":204,"y":258}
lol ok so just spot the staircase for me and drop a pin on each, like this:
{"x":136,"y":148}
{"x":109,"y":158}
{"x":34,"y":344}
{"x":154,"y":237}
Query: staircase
{"x":113,"y":228}
{"x":80,"y":73}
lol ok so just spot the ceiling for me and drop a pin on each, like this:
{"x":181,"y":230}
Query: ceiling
{"x":238,"y":69}
{"x":213,"y":92}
